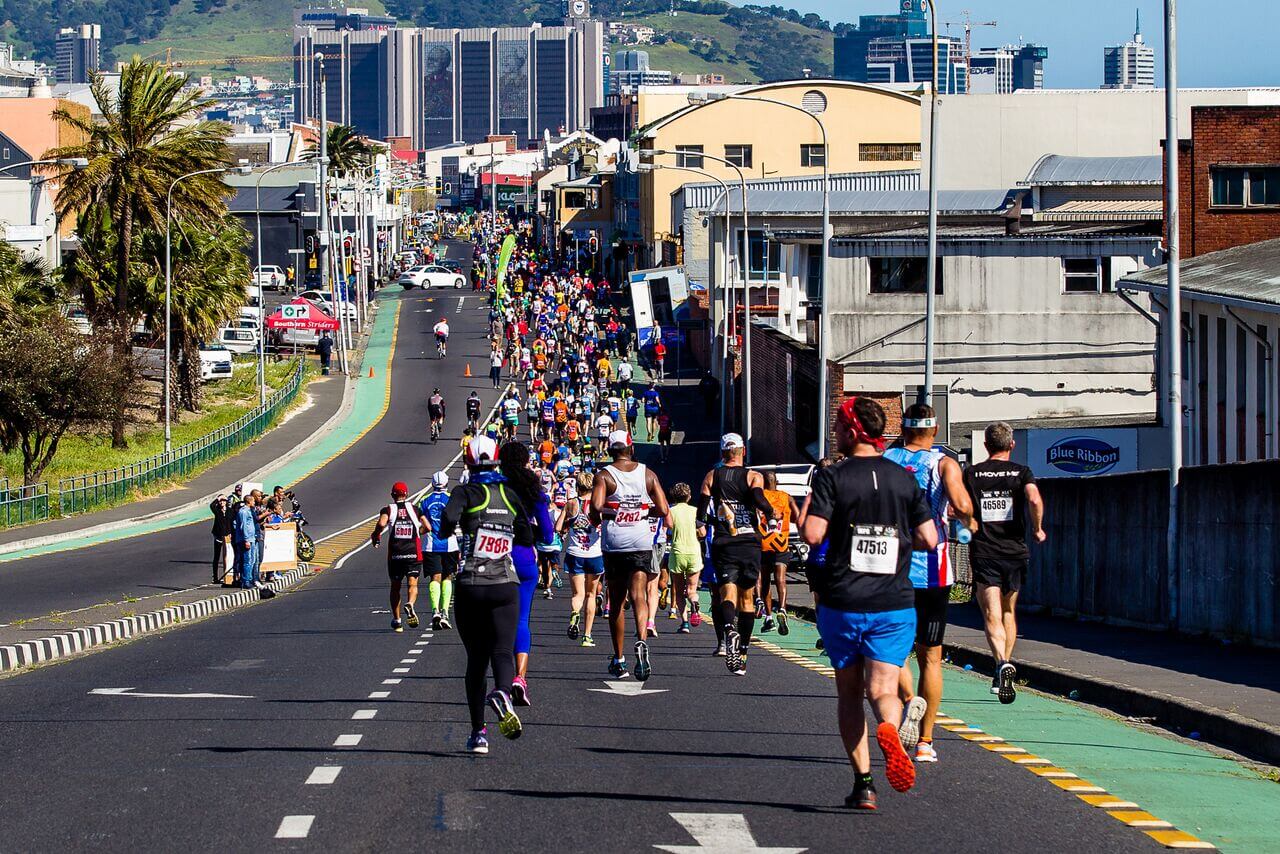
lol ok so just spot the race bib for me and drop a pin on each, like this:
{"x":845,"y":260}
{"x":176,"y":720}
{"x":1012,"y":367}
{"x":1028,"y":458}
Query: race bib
{"x":628,"y":516}
{"x":874,"y":549}
{"x":402,"y":530}
{"x":996,"y":507}
{"x":492,"y":544}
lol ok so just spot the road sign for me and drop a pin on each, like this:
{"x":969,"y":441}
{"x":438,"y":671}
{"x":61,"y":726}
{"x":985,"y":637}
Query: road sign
{"x":295,"y":312}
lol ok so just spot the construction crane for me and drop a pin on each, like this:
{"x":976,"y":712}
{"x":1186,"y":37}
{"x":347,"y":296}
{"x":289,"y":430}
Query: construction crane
{"x":170,"y":62}
{"x":968,"y":23}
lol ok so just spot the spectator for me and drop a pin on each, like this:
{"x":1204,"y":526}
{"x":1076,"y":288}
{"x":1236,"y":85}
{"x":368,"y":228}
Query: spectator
{"x":245,"y":541}
{"x":660,"y":356}
{"x":325,"y":348}
{"x":223,"y":523}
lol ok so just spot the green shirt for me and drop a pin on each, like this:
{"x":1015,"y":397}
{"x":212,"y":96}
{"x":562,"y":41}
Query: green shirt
{"x":684,"y":530}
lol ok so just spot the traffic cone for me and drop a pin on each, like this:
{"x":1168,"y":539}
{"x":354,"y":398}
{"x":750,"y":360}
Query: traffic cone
{"x":468,"y":373}
{"x":370,"y":373}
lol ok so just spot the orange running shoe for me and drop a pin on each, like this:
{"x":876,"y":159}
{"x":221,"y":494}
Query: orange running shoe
{"x":897,"y":764}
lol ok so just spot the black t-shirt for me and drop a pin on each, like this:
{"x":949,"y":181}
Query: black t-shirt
{"x":872,"y":506}
{"x":998,"y":490}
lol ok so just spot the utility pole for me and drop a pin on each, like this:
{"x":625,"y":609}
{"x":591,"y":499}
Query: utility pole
{"x":931,"y":271}
{"x":1173,"y":317}
{"x":322,"y":192}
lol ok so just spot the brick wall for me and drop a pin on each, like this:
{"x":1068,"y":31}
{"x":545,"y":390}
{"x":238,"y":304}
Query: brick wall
{"x":1225,"y":136}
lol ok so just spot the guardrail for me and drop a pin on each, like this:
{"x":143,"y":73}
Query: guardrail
{"x":84,"y":492}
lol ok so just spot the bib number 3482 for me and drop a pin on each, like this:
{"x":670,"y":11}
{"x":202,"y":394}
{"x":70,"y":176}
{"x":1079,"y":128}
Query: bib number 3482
{"x":874,"y":549}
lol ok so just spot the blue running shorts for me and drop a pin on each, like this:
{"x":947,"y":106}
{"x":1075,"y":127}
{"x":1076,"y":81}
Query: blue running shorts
{"x":885,"y":636}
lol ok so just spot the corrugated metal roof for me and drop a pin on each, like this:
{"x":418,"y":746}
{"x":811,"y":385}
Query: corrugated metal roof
{"x":988,"y":231}
{"x":1059,"y":169}
{"x":1100,"y":210}
{"x":1247,"y":274}
{"x":894,"y":202}
{"x":701,"y":196}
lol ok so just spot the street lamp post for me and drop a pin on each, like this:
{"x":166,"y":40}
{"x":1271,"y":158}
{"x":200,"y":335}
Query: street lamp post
{"x":1173,"y":316}
{"x":931,"y":271}
{"x":76,"y":163}
{"x":257,"y":206}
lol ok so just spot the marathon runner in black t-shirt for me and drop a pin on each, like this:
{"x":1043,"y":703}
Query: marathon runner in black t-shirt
{"x":1004,"y":494}
{"x":872,"y":513}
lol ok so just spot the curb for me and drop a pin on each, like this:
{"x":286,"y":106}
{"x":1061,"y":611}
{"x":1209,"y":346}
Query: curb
{"x":17,"y":656}
{"x":1177,"y":714}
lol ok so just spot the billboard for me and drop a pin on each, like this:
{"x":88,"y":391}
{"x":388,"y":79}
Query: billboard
{"x":1082,"y":452}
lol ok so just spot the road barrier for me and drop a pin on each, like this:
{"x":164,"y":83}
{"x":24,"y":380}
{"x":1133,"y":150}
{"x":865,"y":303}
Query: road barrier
{"x":77,"y":494}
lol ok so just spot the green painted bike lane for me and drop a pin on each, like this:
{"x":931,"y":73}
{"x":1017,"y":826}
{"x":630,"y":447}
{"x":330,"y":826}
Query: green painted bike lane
{"x":369,"y":403}
{"x":1198,"y":791}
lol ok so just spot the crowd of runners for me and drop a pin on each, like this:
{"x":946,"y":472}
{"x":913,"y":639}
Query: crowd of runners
{"x":573,"y":503}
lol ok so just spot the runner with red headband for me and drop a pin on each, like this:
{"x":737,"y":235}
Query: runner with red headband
{"x":872,"y":513}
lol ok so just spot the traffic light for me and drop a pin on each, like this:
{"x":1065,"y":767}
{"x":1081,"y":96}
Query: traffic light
{"x":593,"y":243}
{"x":346,"y":245}
{"x":310,"y":244}
{"x":439,"y":185}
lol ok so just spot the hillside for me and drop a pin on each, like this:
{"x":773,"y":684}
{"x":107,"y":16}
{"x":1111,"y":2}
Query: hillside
{"x":706,"y":36}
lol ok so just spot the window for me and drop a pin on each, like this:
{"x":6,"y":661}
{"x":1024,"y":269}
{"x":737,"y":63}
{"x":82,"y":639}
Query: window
{"x":689,"y":156}
{"x":812,"y":155}
{"x":762,"y":253}
{"x":738,"y":155}
{"x":889,"y":151}
{"x":1086,"y":275}
{"x":902,"y":275}
{"x":575,"y":199}
{"x":1239,"y":187}
{"x":813,"y":272}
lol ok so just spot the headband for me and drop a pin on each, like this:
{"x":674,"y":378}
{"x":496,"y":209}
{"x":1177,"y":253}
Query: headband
{"x":919,"y":423}
{"x":849,"y":418}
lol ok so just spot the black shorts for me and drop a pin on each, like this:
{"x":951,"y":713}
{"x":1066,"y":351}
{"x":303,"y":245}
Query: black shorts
{"x":1005,"y":573}
{"x":402,"y":569}
{"x":769,"y":561}
{"x":440,"y":563}
{"x":931,"y":614}
{"x":619,"y":567}
{"x":737,"y":562}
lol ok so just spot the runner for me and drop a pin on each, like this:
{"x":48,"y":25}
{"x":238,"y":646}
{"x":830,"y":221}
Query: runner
{"x":440,"y":558}
{"x":584,"y":560}
{"x":510,"y":415}
{"x":404,"y":551}
{"x":730,"y":497}
{"x":623,"y":494}
{"x":1004,"y":493}
{"x":490,"y":515}
{"x":652,"y":406}
{"x":664,"y":435}
{"x":775,"y":547}
{"x":871,"y":512}
{"x":685,"y":560}
{"x":473,"y":412}
{"x":942,"y":482}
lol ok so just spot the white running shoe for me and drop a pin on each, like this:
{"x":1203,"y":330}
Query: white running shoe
{"x":925,"y":752}
{"x":909,"y":729}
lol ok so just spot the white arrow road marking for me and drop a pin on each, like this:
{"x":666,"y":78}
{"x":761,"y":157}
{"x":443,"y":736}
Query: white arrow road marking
{"x":460,"y":300}
{"x":627,"y":689}
{"x":132,"y":692}
{"x":720,"y":833}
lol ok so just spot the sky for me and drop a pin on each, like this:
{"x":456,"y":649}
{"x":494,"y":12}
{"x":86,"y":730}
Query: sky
{"x":1219,"y":43}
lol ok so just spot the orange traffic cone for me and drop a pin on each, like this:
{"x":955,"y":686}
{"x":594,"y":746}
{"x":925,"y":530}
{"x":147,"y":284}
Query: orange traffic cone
{"x":370,"y":373}
{"x":468,"y":373}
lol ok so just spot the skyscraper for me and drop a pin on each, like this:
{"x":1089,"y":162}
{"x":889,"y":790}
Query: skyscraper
{"x":1007,"y":69}
{"x":76,"y":51}
{"x":1131,"y":65}
{"x":897,"y":49}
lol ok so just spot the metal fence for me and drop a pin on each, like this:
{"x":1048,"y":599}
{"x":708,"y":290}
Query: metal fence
{"x":84,"y":492}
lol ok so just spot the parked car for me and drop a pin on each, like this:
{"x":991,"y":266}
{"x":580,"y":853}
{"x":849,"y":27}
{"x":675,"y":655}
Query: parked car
{"x":321,"y":298}
{"x":215,"y":360}
{"x":270,"y":277}
{"x":432,"y":276}
{"x":79,"y":319}
{"x":450,"y":265}
{"x":239,"y":339}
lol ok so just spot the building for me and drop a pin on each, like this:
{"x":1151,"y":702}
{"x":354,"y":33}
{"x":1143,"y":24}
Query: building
{"x":440,"y":86}
{"x":1131,"y":65}
{"x":898,"y":49}
{"x":78,"y":53}
{"x":631,"y":68}
{"x":347,"y":18}
{"x":1229,"y":178}
{"x":1006,"y":69}
{"x":869,"y":128}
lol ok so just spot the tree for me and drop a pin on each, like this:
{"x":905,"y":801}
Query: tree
{"x":25,"y":285}
{"x":148,"y":136}
{"x":347,"y":150}
{"x":51,"y":378}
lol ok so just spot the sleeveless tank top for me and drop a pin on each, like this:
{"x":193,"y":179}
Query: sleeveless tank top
{"x":584,"y":537}
{"x":734,"y":517}
{"x":626,"y":526}
{"x":776,"y":540}
{"x":405,"y":544}
{"x":930,"y":568}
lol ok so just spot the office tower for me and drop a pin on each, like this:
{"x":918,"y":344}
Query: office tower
{"x":77,"y":53}
{"x":1007,"y":69}
{"x":1131,"y":65}
{"x":898,"y":49}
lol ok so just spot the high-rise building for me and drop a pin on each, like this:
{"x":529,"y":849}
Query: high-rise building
{"x":1000,"y":70}
{"x":898,"y":49}
{"x":438,"y":86}
{"x":1131,"y":65}
{"x":77,"y":52}
{"x":631,"y":68}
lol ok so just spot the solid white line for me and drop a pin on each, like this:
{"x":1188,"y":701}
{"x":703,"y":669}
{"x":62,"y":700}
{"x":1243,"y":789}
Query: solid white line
{"x":295,"y":827}
{"x":391,"y":681}
{"x":364,"y":714}
{"x":323,"y":775}
{"x":379,"y":695}
{"x":349,"y":740}
{"x":400,"y":670}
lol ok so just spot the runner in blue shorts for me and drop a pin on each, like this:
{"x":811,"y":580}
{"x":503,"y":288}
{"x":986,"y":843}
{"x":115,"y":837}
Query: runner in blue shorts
{"x":583,"y":559}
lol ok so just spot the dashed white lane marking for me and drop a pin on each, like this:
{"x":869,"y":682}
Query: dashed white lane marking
{"x":295,"y":827}
{"x":391,"y":681}
{"x":408,"y":660}
{"x":323,"y":775}
{"x":364,"y":714}
{"x":379,"y":695}
{"x":421,"y":643}
{"x":348,"y":740}
{"x":416,"y":651}
{"x":400,"y":670}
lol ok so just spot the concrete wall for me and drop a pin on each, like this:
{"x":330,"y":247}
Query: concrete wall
{"x":994,"y":140}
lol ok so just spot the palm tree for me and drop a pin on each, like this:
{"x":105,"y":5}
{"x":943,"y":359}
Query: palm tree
{"x":347,"y":150}
{"x":26,"y":288}
{"x":148,"y":136}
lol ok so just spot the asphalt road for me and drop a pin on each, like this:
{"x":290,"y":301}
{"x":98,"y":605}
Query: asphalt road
{"x":346,"y":490}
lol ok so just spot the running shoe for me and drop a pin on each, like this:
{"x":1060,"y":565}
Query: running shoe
{"x":651,"y":627}
{"x":600,"y":604}
{"x":695,"y":619}
{"x":436,"y":620}
{"x":1007,"y":692}
{"x":508,"y":720}
{"x":909,"y":729}
{"x":664,"y":599}
{"x":742,"y":666}
{"x":575,"y":625}
{"x":411,"y":616}
{"x":818,"y":644}
{"x":732,"y":649}
{"x":767,"y":625}
{"x":478,"y":743}
{"x":684,"y":627}
{"x":546,"y":594}
{"x":897,"y":764}
{"x":759,"y":608}
{"x":604,"y":612}
{"x":861,"y":798}
{"x":783,"y":628}
{"x":925,"y":752}
{"x":556,"y":579}
{"x":520,"y":692}
{"x":587,"y":641}
{"x":719,"y":650}
{"x":995,"y":681}
{"x":643,"y":670}
{"x":673,"y":614}
{"x":444,"y":621}
{"x":396,"y":626}
{"x":618,"y":668}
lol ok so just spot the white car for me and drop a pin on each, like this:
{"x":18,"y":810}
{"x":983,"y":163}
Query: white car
{"x":321,"y":299}
{"x":270,"y":277}
{"x":239,"y":338}
{"x":431,"y":276}
{"x":215,"y":362}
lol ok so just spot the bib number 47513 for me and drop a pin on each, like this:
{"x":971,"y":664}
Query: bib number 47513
{"x":874,"y":549}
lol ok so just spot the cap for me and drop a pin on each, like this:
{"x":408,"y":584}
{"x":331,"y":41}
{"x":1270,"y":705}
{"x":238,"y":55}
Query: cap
{"x":440,"y":480}
{"x":731,"y":442}
{"x":399,"y":488}
{"x":481,"y":450}
{"x":619,"y":438}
